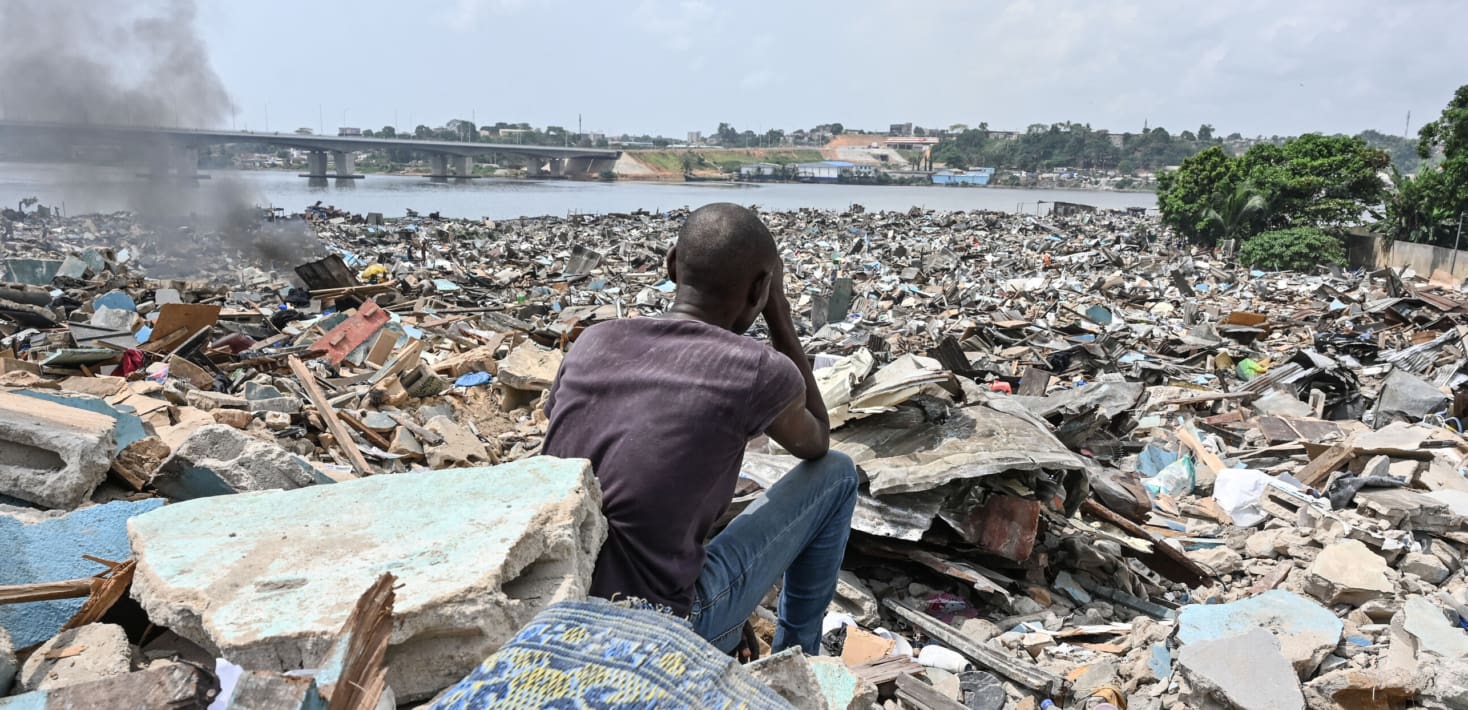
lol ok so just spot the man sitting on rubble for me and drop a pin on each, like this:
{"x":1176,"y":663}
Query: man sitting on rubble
{"x":664,"y":407}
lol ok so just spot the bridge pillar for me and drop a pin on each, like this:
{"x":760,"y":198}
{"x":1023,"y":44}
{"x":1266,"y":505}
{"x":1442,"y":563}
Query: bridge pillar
{"x":316,"y":164}
{"x":185,"y":162}
{"x":534,"y":167}
{"x":464,"y":166}
{"x":558,"y":167}
{"x":438,"y":166}
{"x":345,"y":161}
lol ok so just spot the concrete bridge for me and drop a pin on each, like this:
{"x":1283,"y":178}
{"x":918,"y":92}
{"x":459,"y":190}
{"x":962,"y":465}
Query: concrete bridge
{"x":175,"y":151}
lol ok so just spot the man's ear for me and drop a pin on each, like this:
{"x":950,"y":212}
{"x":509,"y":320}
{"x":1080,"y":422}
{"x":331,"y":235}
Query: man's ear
{"x":672,"y":264}
{"x":759,"y":291}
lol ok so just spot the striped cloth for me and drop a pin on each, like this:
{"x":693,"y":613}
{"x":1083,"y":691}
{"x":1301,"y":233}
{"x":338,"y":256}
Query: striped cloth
{"x":599,"y":655}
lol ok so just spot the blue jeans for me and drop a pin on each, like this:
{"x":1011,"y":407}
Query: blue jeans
{"x":797,"y":530}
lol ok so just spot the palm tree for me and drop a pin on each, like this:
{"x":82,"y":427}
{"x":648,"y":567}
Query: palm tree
{"x":1233,"y":213}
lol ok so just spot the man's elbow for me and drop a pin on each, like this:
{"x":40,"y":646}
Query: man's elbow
{"x":811,"y":448}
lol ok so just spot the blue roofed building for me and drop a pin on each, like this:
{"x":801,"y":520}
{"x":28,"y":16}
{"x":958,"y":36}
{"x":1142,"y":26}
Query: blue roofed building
{"x":972,"y":176}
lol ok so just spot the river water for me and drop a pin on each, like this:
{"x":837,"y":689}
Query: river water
{"x":81,"y":190}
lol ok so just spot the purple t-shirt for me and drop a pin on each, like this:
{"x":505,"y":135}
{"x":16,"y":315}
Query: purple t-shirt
{"x":663,"y":408}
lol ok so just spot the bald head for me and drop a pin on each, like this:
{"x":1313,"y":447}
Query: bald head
{"x":723,"y":248}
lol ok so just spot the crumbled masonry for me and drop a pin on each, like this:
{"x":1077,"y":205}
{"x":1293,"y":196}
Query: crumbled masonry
{"x":1097,"y":463}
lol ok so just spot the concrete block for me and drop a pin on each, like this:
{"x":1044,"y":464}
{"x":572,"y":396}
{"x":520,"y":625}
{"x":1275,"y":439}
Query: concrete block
{"x":210,"y":401}
{"x":170,"y":685}
{"x":286,"y":405}
{"x":1306,"y":631}
{"x":1348,"y":572}
{"x":7,"y":662}
{"x":52,"y":455}
{"x":81,"y":655}
{"x":790,"y":675}
{"x":218,"y":460}
{"x":459,"y":448}
{"x":530,"y":367}
{"x":1426,"y":623}
{"x":48,"y":547}
{"x":1428,"y":567}
{"x":1242,"y":672}
{"x":267,"y":579}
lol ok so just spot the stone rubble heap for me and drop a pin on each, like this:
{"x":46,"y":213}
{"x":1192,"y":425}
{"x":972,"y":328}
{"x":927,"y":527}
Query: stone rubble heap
{"x":1098,"y":465}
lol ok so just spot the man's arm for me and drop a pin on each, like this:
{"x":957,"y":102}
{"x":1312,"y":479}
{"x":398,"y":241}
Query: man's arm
{"x":803,"y":428}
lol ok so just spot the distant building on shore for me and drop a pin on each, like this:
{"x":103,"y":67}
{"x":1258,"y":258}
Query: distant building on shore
{"x":911,"y":142}
{"x":832,"y":170}
{"x":759,"y":170}
{"x":972,"y":176}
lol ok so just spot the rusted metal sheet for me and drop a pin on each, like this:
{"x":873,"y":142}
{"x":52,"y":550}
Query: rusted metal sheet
{"x":1005,"y":526}
{"x":351,"y":333}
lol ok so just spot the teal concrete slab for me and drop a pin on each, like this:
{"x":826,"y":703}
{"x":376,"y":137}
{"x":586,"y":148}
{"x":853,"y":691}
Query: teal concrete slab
{"x":51,"y":550}
{"x":129,"y":425}
{"x":266,"y":579}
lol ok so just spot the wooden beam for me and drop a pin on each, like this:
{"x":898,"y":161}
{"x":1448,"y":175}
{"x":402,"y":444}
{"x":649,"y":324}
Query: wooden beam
{"x":1316,"y":472}
{"x":46,"y":591}
{"x":328,"y":415}
{"x":1209,"y":461}
{"x":922,"y":696}
{"x":1164,"y":559}
{"x":377,"y":439}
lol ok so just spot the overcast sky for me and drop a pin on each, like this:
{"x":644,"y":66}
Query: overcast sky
{"x":670,"y":66}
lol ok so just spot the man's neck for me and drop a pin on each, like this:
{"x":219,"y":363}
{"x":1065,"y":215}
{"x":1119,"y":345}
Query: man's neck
{"x":690,"y":305}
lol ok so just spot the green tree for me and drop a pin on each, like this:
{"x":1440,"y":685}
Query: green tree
{"x":1443,"y":195}
{"x":1205,"y":133}
{"x":837,"y":129}
{"x":920,"y":131}
{"x":1234,"y":213}
{"x":1300,"y":248}
{"x":1185,"y":196}
{"x":388,"y":132}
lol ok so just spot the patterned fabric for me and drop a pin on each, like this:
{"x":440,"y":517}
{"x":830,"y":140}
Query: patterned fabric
{"x":597,"y":655}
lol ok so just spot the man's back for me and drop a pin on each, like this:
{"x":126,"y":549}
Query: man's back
{"x":663,"y":408}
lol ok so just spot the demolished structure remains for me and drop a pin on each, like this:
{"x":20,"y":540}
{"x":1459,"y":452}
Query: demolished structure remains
{"x":1098,"y":467}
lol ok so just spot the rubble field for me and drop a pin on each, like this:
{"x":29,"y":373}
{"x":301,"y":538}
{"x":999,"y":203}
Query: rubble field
{"x":295,"y":460}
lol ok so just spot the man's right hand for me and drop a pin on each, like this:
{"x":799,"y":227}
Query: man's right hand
{"x":777,"y":306}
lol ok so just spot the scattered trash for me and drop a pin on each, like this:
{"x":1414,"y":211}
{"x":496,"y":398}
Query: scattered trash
{"x":1098,"y":466}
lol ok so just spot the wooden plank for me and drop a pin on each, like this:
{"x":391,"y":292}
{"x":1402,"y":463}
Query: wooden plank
{"x":886,"y":670}
{"x":1209,"y":461}
{"x":922,"y":696}
{"x":45,"y":591}
{"x":377,"y":439}
{"x":1165,"y":559}
{"x":1028,"y":675}
{"x":328,"y":415}
{"x":105,"y":593}
{"x":362,"y":677}
{"x":1319,"y":469}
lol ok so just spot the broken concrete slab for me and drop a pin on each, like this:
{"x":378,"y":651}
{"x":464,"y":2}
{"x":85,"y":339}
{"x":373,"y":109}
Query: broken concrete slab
{"x":1243,"y":672}
{"x":1307,"y":632}
{"x":1348,"y":572}
{"x":48,"y":547}
{"x":855,"y":598}
{"x":459,"y":448}
{"x":790,"y":675}
{"x":172,"y":685}
{"x":219,"y":459}
{"x":52,"y":455}
{"x":1427,"y":567}
{"x":1426,"y":623}
{"x":7,"y":662}
{"x":842,"y":689}
{"x":479,"y":552}
{"x":81,"y":655}
{"x":530,"y":367}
